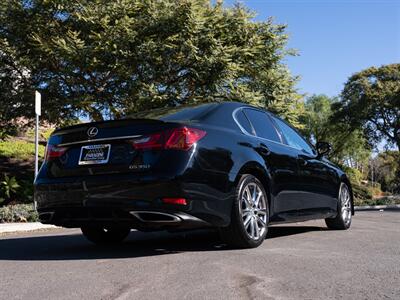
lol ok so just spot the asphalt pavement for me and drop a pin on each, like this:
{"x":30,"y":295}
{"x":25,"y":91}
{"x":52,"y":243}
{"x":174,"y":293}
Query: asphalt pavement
{"x":297,"y":261}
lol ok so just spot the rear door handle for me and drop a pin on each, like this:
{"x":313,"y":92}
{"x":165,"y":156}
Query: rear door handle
{"x":263,"y":149}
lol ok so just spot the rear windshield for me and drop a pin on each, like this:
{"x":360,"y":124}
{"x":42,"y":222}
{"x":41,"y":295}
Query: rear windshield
{"x":177,"y":113}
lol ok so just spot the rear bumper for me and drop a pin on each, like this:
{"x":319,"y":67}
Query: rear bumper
{"x":130,"y":202}
{"x":109,"y":216}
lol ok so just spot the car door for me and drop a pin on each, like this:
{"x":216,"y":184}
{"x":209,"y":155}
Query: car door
{"x":317,"y":181}
{"x":280,"y":160}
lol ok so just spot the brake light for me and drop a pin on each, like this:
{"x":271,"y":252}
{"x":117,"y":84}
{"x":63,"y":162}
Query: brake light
{"x":54,"y":152}
{"x":179,"y":201}
{"x":184,"y":138}
{"x":179,"y":138}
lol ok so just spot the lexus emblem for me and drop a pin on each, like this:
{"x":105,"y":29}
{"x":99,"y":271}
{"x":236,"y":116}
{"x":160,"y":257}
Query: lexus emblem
{"x":92,"y":132}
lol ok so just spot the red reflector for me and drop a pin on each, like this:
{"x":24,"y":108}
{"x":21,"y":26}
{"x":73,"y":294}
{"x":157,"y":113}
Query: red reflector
{"x":179,"y":201}
{"x":54,"y":152}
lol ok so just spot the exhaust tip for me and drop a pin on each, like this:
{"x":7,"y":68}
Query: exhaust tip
{"x":155,"y":217}
{"x":46,"y":216}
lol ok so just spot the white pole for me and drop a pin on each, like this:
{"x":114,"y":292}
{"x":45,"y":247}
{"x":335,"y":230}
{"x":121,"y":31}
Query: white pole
{"x":38,"y":104}
{"x":37,"y":146}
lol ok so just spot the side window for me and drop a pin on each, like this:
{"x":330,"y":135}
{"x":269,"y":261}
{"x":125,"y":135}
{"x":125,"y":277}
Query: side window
{"x":244,"y":122}
{"x":262,"y":125}
{"x":292,"y":137}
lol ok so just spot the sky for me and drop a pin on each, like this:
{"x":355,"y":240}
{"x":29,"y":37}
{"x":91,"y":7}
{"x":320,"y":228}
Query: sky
{"x":334,"y":38}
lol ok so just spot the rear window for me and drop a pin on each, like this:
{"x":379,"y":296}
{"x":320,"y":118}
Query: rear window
{"x":262,"y":125}
{"x":177,"y":113}
{"x":244,"y":122}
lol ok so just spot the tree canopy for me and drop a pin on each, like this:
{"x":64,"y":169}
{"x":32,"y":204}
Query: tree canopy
{"x":349,"y":146}
{"x":103,"y":59}
{"x":386,"y":168}
{"x":371,"y":101}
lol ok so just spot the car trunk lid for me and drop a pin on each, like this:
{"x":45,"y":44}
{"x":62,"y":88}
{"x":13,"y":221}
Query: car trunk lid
{"x":104,"y":147}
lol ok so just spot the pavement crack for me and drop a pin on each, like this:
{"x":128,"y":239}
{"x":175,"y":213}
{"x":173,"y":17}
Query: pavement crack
{"x":253,"y":287}
{"x":124,"y":291}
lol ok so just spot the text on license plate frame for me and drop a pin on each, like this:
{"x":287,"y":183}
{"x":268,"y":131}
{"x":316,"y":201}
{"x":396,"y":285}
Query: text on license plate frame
{"x":104,"y":160}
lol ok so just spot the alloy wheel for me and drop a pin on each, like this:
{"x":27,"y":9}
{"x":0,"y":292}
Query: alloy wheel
{"x":346,"y":203}
{"x":253,"y":210}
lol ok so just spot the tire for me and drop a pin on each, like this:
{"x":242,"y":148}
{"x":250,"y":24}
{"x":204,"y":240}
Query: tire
{"x":342,"y":221}
{"x":250,"y":215}
{"x":105,"y":235}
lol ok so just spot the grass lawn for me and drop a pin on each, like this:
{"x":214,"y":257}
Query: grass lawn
{"x":19,"y":149}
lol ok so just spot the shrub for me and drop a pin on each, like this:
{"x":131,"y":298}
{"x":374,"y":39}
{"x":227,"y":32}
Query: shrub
{"x":18,"y":213}
{"x":354,"y":175}
{"x":43,"y":132}
{"x":390,"y":200}
{"x":26,"y":191}
{"x":7,"y":130}
{"x":361,"y":193}
{"x":8,"y":187}
{"x":375,"y":188}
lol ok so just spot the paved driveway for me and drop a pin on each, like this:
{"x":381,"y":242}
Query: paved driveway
{"x":299,"y":261}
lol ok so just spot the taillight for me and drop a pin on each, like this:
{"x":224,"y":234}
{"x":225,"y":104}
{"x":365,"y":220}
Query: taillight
{"x":54,"y":152}
{"x":153,"y":141}
{"x":184,"y":138}
{"x":179,"y":138}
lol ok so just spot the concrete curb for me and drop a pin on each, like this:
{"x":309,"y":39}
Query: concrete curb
{"x":24,"y":227}
{"x":377,"y":207}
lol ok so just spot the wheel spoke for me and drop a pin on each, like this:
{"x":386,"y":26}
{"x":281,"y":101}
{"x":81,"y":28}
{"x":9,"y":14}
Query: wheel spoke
{"x":246,"y":214}
{"x":257,"y":202}
{"x":247,"y":221}
{"x":261,"y":221}
{"x":252,"y":229}
{"x":257,"y":229}
{"x":260,"y":212}
{"x":247,"y":197}
{"x":254,"y":195}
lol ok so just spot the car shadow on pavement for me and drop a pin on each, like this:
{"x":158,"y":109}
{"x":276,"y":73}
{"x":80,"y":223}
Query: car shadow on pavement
{"x":138,"y":244}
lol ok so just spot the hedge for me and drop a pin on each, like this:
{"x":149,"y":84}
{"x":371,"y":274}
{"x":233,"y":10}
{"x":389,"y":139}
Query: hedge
{"x":18,"y":213}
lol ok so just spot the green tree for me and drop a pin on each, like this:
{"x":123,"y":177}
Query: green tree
{"x":371,"y":102}
{"x":387,"y":170}
{"x":348,"y":146}
{"x":15,"y":89}
{"x":103,"y":59}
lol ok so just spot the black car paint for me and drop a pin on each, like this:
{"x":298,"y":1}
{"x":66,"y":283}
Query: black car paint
{"x":301,"y":186}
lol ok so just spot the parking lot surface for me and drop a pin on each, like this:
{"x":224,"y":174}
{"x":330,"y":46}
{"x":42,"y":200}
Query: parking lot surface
{"x":297,"y":261}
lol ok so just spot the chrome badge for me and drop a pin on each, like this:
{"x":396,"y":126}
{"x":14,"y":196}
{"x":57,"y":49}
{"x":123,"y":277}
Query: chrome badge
{"x":92,"y":132}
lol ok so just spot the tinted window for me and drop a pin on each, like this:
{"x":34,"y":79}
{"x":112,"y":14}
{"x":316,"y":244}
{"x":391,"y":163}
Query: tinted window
{"x":262,"y":125}
{"x":244,"y":122}
{"x":292,"y":137}
{"x":177,"y":113}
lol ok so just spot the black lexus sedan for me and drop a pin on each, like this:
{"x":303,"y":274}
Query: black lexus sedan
{"x":226,"y":165}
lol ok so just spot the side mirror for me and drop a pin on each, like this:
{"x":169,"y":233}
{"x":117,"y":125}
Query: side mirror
{"x":323,"y":148}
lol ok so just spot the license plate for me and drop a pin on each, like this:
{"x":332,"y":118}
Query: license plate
{"x":94,"y":154}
